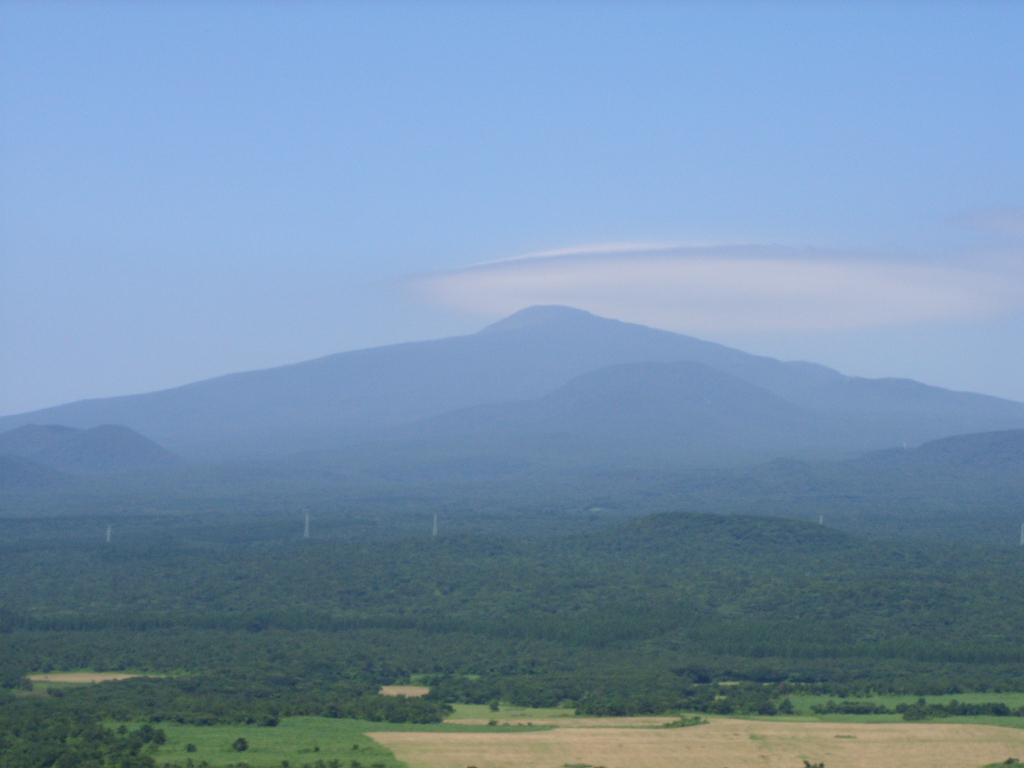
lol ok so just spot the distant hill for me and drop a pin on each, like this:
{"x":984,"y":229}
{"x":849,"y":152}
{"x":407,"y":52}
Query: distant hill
{"x":974,"y":469}
{"x":20,"y":474}
{"x":106,"y":448}
{"x":508,"y":480}
{"x":568,"y":454}
{"x":966,"y":487}
{"x":353,"y":396}
{"x":999,"y":453}
{"x":635,"y":416}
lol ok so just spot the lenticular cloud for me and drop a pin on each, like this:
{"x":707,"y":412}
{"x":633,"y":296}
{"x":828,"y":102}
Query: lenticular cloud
{"x":724,"y":289}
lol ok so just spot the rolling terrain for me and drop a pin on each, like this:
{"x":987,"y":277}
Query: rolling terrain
{"x":96,"y":450}
{"x":962,"y":488}
{"x":21,"y":474}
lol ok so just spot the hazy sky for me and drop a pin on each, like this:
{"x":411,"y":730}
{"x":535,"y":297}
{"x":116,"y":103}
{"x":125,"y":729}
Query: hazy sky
{"x":191,"y":189}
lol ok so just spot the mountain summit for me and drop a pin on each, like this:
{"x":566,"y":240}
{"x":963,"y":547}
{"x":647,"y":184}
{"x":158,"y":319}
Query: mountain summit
{"x":97,"y":450}
{"x":355,"y":395}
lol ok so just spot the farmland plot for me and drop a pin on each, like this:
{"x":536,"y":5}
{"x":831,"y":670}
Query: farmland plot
{"x":722,"y":742}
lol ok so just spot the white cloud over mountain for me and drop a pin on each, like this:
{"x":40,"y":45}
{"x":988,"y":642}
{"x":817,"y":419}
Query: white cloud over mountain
{"x":725,"y":288}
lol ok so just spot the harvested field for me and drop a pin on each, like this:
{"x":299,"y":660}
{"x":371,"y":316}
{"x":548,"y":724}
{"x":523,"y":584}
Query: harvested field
{"x":568,"y":721}
{"x":723,"y":742}
{"x":404,"y":690}
{"x":80,"y":677}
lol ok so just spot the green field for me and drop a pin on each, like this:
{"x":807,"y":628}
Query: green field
{"x":803,"y":704}
{"x":297,"y":741}
{"x":802,"y":709}
{"x":507,"y":712}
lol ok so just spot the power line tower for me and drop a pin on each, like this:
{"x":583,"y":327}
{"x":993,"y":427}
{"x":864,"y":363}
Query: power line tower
{"x":433,"y":531}
{"x":108,"y":534}
{"x":305,"y":530}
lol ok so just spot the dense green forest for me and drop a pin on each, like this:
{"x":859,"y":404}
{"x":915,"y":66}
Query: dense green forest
{"x":648,"y":616}
{"x":38,"y":733}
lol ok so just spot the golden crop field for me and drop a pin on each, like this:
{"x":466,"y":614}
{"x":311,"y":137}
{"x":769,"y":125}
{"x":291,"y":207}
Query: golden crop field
{"x":404,"y":690}
{"x":80,"y":677}
{"x":722,"y":743}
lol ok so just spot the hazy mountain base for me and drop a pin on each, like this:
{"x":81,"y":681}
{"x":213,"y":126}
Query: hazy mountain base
{"x":966,"y":488}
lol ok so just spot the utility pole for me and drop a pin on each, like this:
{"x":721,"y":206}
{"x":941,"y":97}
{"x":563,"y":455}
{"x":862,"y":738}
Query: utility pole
{"x":305,"y":530}
{"x":433,"y":531}
{"x":108,"y":534}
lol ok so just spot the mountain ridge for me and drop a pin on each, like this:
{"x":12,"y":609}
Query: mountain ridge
{"x":97,"y":450}
{"x":669,"y":414}
{"x":352,"y":396}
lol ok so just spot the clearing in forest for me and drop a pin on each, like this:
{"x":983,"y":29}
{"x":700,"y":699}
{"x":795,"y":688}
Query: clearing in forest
{"x":404,"y":690}
{"x":722,"y":742}
{"x":81,"y":677}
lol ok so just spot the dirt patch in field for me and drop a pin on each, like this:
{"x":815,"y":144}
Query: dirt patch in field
{"x":404,"y":690}
{"x":80,"y":677}
{"x":723,"y":742}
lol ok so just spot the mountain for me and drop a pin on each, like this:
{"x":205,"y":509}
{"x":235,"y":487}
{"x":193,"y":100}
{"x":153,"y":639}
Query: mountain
{"x":669,"y":449}
{"x":20,"y":474}
{"x":106,"y":448}
{"x":961,"y":488}
{"x":632,"y":416}
{"x":351,"y":396}
{"x":971,"y":470}
{"x":997,"y":453}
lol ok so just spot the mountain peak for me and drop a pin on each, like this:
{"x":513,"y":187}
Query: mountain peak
{"x":104,"y":448}
{"x":344,"y":397}
{"x":544,"y":314}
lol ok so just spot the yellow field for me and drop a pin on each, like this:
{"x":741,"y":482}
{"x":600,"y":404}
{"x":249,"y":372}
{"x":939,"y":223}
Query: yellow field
{"x":404,"y":690}
{"x":723,"y":743}
{"x":565,"y":721}
{"x":80,"y":677}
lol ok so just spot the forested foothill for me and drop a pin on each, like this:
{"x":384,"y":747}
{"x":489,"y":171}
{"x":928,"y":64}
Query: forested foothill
{"x":956,"y":489}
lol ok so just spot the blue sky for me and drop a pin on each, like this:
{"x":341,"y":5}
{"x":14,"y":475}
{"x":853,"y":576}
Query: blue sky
{"x":191,"y":189}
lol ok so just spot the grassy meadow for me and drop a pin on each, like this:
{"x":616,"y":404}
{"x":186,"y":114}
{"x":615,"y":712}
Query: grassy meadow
{"x":508,"y":712}
{"x":296,"y":740}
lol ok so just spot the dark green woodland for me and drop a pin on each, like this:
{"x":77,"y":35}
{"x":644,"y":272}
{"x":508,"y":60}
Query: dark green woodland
{"x":649,"y":616}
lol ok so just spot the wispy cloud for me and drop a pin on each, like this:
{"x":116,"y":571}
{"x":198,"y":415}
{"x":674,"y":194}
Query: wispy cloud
{"x":723,"y":289}
{"x":1001,"y":221}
